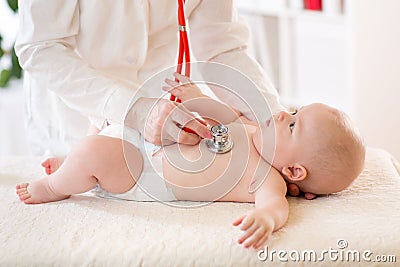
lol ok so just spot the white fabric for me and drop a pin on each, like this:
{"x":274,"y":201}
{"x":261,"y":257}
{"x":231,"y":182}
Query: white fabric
{"x":151,"y":185}
{"x":89,"y":231}
{"x":85,"y":59}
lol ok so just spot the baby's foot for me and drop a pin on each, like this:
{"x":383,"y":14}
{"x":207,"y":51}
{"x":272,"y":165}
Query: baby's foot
{"x":52,"y":164}
{"x":37,"y":192}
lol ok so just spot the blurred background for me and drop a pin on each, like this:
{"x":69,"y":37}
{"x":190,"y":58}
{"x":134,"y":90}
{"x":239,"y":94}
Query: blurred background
{"x":12,"y":130}
{"x":345,"y":53}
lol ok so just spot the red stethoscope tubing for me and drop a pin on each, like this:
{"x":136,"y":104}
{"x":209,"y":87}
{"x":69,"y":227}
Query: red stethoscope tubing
{"x":184,"y":53}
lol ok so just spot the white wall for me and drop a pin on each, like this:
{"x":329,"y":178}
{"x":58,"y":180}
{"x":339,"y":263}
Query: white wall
{"x":375,"y":41}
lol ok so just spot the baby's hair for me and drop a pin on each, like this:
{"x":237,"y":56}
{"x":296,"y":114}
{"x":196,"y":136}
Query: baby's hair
{"x":339,"y":158}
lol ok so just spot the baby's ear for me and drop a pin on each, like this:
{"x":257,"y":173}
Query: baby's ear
{"x":295,"y":173}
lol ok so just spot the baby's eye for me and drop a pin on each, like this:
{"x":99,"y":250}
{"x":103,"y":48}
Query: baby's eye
{"x":295,"y":112}
{"x":291,"y":126}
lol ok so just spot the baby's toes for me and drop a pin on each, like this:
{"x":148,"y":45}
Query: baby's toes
{"x":22,"y":192}
{"x":17,"y":187}
{"x":24,"y":196}
{"x":22,"y":189}
{"x":21,"y":186}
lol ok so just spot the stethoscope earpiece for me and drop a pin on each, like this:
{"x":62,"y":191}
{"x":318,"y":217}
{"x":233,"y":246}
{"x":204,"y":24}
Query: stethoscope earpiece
{"x":221,"y":141}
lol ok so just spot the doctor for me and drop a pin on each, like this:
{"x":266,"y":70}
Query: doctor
{"x":84,"y":59}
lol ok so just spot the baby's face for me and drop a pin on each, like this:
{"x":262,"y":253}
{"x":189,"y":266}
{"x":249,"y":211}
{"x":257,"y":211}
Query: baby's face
{"x":293,"y":133}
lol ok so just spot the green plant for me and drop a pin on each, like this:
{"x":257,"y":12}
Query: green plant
{"x":15,"y":69}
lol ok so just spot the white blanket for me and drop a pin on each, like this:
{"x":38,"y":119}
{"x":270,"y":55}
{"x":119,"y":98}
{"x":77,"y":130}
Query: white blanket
{"x":89,"y":231}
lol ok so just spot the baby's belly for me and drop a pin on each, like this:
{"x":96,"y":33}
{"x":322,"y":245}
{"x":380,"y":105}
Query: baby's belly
{"x":196,"y":174}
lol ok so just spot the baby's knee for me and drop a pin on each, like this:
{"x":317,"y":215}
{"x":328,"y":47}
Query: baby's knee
{"x":89,"y":145}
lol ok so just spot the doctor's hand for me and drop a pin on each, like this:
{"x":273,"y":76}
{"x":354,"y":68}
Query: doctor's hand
{"x":294,"y":191}
{"x":160,"y":121}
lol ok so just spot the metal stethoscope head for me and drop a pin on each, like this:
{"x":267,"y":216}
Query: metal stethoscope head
{"x":221,"y":141}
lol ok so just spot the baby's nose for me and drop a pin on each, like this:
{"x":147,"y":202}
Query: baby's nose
{"x":280,"y":116}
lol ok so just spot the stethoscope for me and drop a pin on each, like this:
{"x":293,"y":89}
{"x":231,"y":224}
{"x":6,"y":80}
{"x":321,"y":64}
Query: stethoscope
{"x":221,"y":141}
{"x":184,"y":51}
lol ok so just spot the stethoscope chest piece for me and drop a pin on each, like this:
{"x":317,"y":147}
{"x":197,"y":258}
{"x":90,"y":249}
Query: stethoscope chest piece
{"x":221,"y":141}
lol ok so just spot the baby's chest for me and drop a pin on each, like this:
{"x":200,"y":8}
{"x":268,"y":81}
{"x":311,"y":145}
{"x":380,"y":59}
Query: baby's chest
{"x":197,"y":168}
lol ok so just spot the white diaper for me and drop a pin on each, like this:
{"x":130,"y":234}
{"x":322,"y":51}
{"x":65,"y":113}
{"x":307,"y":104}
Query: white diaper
{"x":151,"y":185}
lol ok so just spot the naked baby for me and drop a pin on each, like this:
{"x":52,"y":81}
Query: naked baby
{"x":317,"y":148}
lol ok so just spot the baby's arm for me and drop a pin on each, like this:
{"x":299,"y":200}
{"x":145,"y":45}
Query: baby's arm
{"x":211,"y":110}
{"x":186,"y":90}
{"x":270,"y":213}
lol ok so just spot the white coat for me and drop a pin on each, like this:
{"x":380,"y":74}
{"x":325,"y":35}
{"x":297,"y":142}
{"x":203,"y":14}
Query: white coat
{"x":84,"y":58}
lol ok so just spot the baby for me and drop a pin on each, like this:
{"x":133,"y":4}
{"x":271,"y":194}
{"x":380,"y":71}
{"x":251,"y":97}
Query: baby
{"x":316,"y":148}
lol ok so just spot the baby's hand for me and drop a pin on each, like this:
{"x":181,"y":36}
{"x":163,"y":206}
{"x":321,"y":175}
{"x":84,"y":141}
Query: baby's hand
{"x":185,"y":90}
{"x":257,"y":227}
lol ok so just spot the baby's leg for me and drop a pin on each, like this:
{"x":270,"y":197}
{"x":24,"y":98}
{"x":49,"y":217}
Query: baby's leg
{"x":50,"y":165}
{"x":96,"y":159}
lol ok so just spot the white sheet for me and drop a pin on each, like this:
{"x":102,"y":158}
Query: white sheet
{"x":89,"y":231}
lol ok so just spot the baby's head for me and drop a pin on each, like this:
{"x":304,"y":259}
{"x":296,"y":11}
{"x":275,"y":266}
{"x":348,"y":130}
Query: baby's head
{"x":317,"y":148}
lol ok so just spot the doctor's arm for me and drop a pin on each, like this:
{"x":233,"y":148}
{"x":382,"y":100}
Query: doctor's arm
{"x":219,"y":35}
{"x":47,"y":50}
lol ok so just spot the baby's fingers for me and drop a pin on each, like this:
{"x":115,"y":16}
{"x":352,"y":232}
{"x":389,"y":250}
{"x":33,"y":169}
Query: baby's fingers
{"x":248,"y":233}
{"x":255,"y":237}
{"x":172,"y":83}
{"x":261,"y":242}
{"x":175,"y":91}
{"x":238,"y":220}
{"x":182,"y":78}
{"x":247,"y":222}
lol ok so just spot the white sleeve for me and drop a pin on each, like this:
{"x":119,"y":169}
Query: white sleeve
{"x":218,"y":34}
{"x":46,"y":49}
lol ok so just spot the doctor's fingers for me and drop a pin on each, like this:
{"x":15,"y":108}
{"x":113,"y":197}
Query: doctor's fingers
{"x":293,"y":190}
{"x":184,"y":117}
{"x":173,"y":132}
